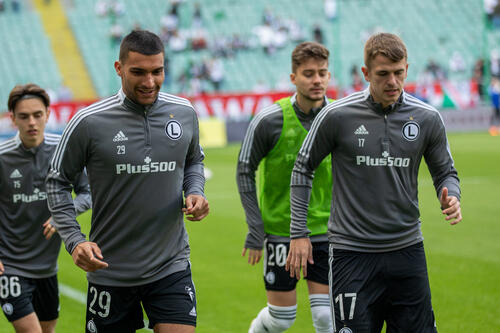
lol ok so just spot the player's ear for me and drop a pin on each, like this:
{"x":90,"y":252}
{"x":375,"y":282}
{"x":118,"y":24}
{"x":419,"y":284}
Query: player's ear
{"x":292,"y":78}
{"x":48,"y":114}
{"x":118,"y":68}
{"x":365,"y":73}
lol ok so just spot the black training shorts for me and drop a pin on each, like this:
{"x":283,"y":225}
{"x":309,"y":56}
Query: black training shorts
{"x":20,"y":296}
{"x":171,"y":300}
{"x":370,"y":288}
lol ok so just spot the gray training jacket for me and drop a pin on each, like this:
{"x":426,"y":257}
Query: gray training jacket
{"x":24,"y":251}
{"x":139,"y":161}
{"x":376,"y":156}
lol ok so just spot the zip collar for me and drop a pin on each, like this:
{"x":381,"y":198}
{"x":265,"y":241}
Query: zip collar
{"x":314,"y":111}
{"x":133,"y":106}
{"x":378,"y":106}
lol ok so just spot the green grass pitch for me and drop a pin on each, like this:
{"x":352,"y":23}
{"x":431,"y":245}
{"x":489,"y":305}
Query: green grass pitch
{"x":463,"y":260}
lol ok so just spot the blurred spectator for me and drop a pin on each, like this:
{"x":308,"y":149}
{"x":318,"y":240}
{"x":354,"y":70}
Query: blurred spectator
{"x":197,"y":18}
{"x":496,"y":16}
{"x":489,"y":8}
{"x":495,"y":63}
{"x":436,"y":71}
{"x":169,"y":22}
{"x":198,"y":38}
{"x":216,"y":73}
{"x":174,"y":7}
{"x":116,"y":33}
{"x":16,"y":6}
{"x":117,"y":8}
{"x":177,"y":41}
{"x":478,"y":76}
{"x":494,"y":92}
{"x":331,"y":9}
{"x":318,"y":34}
{"x":457,"y":63}
{"x":357,"y":83}
{"x":295,"y":31}
{"x":268,"y":17}
{"x":101,"y":8}
{"x":237,"y":43}
{"x":265,"y":33}
{"x":2,"y":6}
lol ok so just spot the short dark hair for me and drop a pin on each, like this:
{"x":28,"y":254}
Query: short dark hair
{"x":26,"y":91}
{"x":307,"y":50}
{"x":140,"y":41}
{"x":386,"y":44}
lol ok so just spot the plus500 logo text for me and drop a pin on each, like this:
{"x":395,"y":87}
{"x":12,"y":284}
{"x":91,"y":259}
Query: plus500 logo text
{"x":27,"y":198}
{"x":145,"y":168}
{"x":399,"y":162}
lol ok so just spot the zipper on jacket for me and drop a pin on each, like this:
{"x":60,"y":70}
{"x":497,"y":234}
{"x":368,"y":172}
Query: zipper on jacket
{"x":147,"y":131}
{"x":385,"y":139}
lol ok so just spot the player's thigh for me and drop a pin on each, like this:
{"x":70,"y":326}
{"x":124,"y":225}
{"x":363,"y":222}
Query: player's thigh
{"x":27,"y":324}
{"x":16,"y":294}
{"x":318,"y":272}
{"x":173,"y":328}
{"x":276,"y":277}
{"x":171,"y":300}
{"x":357,"y":290}
{"x":113,"y":309}
{"x":46,"y":299}
{"x":410,"y":307}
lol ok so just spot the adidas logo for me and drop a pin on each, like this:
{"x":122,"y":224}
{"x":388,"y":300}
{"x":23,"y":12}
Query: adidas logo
{"x":16,"y":174}
{"x":361,"y":130}
{"x":120,"y":137}
{"x":192,"y":312}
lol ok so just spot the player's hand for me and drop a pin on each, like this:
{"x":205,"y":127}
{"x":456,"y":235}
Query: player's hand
{"x":450,"y":207}
{"x":1,"y":268}
{"x":253,"y":255}
{"x":84,"y":255}
{"x":299,"y":255}
{"x":196,"y":207}
{"x":48,"y":229}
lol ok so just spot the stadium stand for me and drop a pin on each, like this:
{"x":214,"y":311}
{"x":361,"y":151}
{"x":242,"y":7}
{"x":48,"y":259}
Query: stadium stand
{"x":26,"y":53}
{"x":433,"y":30}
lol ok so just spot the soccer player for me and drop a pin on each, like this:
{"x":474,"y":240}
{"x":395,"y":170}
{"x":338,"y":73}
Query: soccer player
{"x":377,"y":139}
{"x":271,"y":143}
{"x":142,"y":154}
{"x":29,"y":243}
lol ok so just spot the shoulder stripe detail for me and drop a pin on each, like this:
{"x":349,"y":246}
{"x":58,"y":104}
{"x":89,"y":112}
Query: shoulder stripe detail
{"x":351,"y":99}
{"x":52,"y":135}
{"x":73,"y":123}
{"x":174,"y":99}
{"x":246,"y":146}
{"x":9,"y":145}
{"x":51,"y":139}
{"x":411,"y":100}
